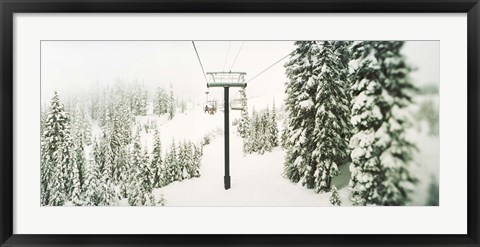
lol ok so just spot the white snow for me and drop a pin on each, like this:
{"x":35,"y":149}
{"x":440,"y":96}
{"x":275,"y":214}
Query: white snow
{"x":306,"y":104}
{"x":256,"y":180}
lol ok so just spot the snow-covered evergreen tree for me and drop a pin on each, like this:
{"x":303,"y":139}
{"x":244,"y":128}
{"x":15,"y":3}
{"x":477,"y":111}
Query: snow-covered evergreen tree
{"x":302,"y":72}
{"x":381,"y":153}
{"x":172,"y":106}
{"x":160,"y":105}
{"x":78,"y":174}
{"x":135,"y":193}
{"x":332,"y":112}
{"x":146,"y":181}
{"x":284,"y":134}
{"x":91,"y":197}
{"x":56,"y":156}
{"x":157,"y":167}
{"x":264,"y":132}
{"x":162,"y":201}
{"x":242,"y":126}
{"x":335,"y":198}
{"x":174,"y":170}
{"x":183,"y":160}
{"x":107,"y":190}
{"x":197,"y":156}
{"x":273,"y":128}
{"x":135,"y":173}
{"x":139,"y":99}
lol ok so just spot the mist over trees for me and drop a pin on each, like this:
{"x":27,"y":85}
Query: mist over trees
{"x":92,"y":154}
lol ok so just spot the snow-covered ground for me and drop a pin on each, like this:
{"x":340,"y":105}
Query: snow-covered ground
{"x":257,"y":180}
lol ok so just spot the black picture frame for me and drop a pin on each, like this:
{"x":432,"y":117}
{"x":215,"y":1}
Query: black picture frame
{"x":9,"y":7}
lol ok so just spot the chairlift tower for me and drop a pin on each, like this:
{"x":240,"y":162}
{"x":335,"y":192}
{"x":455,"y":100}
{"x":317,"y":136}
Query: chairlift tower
{"x":226,"y":80}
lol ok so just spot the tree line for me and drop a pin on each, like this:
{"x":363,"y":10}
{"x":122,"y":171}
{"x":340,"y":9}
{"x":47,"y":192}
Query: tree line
{"x":259,"y":131}
{"x":83,"y":168}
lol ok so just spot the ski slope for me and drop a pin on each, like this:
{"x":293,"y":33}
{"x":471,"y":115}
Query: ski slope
{"x":257,"y":180}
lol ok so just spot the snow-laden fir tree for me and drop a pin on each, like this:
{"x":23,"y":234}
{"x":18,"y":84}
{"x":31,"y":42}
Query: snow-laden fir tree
{"x":242,"y":126}
{"x":162,"y":201}
{"x":160,"y":104}
{"x":82,"y":124}
{"x":157,"y":166}
{"x":122,"y":169}
{"x":302,"y":72}
{"x":332,"y":112}
{"x":135,"y":193}
{"x":184,"y":160}
{"x":172,"y":105}
{"x":284,"y":134}
{"x":56,"y":156}
{"x":273,"y":128}
{"x":107,"y":191}
{"x":174,"y":170}
{"x":335,"y":198}
{"x":43,"y":116}
{"x":197,"y":156}
{"x":141,"y":181}
{"x":258,"y":138}
{"x":105,"y":113}
{"x":146,"y":175}
{"x":78,"y":178}
{"x":252,"y":144}
{"x":265,"y":131}
{"x":138,"y":99}
{"x":91,"y":194}
{"x":381,"y":154}
{"x":149,"y":199}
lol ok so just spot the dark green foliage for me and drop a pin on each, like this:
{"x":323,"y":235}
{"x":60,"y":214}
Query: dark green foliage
{"x":317,"y":122}
{"x":381,"y":154}
{"x":301,"y":70}
{"x":332,"y":125}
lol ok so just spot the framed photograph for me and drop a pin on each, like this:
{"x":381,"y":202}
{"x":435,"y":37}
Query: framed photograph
{"x":239,"y":123}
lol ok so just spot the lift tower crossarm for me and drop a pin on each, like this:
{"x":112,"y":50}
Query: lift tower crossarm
{"x":226,"y":84}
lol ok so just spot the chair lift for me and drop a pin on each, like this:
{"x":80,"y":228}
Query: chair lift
{"x":211,"y":107}
{"x":236,"y":104}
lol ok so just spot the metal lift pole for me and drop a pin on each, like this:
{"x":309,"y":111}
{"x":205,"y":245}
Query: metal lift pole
{"x":226,"y":178}
{"x":226,"y":80}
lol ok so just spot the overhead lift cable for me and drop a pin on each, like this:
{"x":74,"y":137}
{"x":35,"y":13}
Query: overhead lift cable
{"x":263,"y":71}
{"x":241,"y":46}
{"x":226,"y":57}
{"x":200,"y":61}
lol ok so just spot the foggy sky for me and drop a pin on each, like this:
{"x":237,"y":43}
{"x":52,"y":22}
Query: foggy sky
{"x":77,"y":66}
